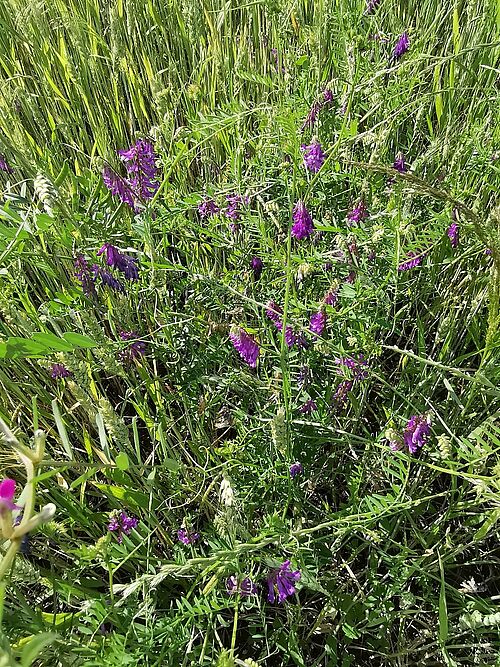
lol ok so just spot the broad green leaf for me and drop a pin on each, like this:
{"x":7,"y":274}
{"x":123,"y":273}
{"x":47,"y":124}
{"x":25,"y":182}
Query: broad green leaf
{"x":78,"y":340}
{"x":122,"y":461}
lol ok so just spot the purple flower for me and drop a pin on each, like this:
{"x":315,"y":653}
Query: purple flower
{"x":303,"y":224}
{"x":59,"y":371}
{"x":86,"y":275}
{"x":233,"y":211}
{"x":122,"y":524}
{"x":7,"y":493}
{"x":308,"y":407}
{"x":295,"y":469}
{"x":357,"y":366}
{"x":414,"y":259}
{"x":207,"y":208}
{"x":317,"y":323}
{"x":290,"y":337}
{"x":353,"y":249}
{"x":244,"y":587}
{"x":417,"y":432}
{"x":341,"y":393}
{"x":275,"y":313}
{"x":187,"y":536}
{"x":351,"y":278}
{"x":371,"y":6}
{"x":311,"y":116}
{"x":402,"y":46}
{"x":140,"y":162}
{"x":246,"y":346}
{"x":136,"y":349}
{"x":118,"y":260}
{"x":400,"y":164}
{"x":328,"y":95}
{"x":313,"y":156}
{"x":303,"y":376}
{"x":281,"y":581}
{"x":107,"y":278}
{"x":358,"y":213}
{"x":487,"y":251}
{"x":119,"y":186}
{"x":256,"y":265}
{"x":331,"y":297}
{"x":4,"y":166}
{"x":453,"y":234}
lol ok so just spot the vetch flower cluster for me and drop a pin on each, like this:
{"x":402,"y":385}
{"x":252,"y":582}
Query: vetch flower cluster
{"x":244,"y":588}
{"x":402,"y":46}
{"x":4,"y":166}
{"x":413,"y":259}
{"x":141,"y":183}
{"x":116,"y":259}
{"x":414,"y":436}
{"x":295,"y":469}
{"x":281,"y":582}
{"x":59,"y":371}
{"x":452,"y":233}
{"x":122,"y":524}
{"x":134,"y":350}
{"x":302,"y":222}
{"x":313,"y":156}
{"x":187,"y":536}
{"x":358,"y":213}
{"x":207,"y":208}
{"x":247,"y":347}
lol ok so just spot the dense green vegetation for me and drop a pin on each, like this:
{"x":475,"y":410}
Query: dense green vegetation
{"x":147,"y":405}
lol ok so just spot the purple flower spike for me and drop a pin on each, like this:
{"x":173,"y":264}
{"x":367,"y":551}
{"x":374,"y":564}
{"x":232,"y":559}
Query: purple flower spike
{"x":59,"y":371}
{"x":303,"y":225}
{"x":247,"y":347}
{"x":402,"y":46}
{"x":331,"y":297}
{"x":118,"y":186}
{"x":342,"y":392}
{"x":85,"y":275}
{"x":400,"y":164}
{"x":295,"y":469}
{"x":318,"y":323}
{"x":282,"y":581}
{"x":244,"y":588}
{"x":453,"y":234}
{"x":233,"y":211}
{"x":134,"y":350}
{"x":207,"y":208}
{"x":311,"y":116}
{"x":417,"y":432}
{"x":328,"y":96}
{"x":140,"y":162}
{"x":371,"y":6}
{"x":256,"y":265}
{"x":313,"y":156}
{"x":4,"y":166}
{"x":122,"y":524}
{"x":308,"y":407}
{"x":351,"y":277}
{"x":7,"y":493}
{"x":358,"y":213}
{"x":187,"y":536}
{"x":414,"y":259}
{"x":118,"y":260}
